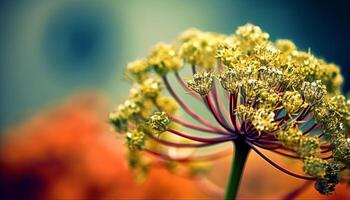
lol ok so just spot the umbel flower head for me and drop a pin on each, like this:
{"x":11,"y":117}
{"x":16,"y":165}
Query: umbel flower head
{"x":259,"y":93}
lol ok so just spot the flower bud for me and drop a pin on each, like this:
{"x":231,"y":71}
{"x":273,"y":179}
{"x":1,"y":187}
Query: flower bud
{"x":159,"y":121}
{"x":201,"y":83}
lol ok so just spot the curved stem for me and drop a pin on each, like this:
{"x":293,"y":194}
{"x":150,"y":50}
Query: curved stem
{"x":304,"y":113}
{"x":281,"y":168}
{"x":184,"y":86}
{"x":216,"y":115}
{"x":276,"y":150}
{"x":200,"y":139}
{"x":194,"y":70}
{"x":192,"y":126}
{"x":196,"y":127}
{"x":190,"y":158}
{"x":220,"y":107}
{"x":180,"y":145}
{"x":265,"y":146}
{"x":237,"y":168}
{"x":186,"y":107}
{"x":310,"y":129}
{"x":233,"y":105}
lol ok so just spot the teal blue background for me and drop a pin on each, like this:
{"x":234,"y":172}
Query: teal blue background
{"x":53,"y":49}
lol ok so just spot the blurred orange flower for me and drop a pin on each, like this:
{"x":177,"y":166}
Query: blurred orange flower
{"x":68,"y":152}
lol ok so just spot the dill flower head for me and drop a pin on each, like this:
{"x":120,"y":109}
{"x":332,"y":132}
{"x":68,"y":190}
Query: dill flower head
{"x":260,"y":95}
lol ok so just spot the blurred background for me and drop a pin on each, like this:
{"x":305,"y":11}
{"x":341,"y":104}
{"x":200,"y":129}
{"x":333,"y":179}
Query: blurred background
{"x":64,"y":57}
{"x":51,"y":49}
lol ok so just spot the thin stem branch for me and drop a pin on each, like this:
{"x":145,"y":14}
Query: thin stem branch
{"x":186,"y":107}
{"x":200,"y":139}
{"x":233,"y":105}
{"x":184,"y":86}
{"x":286,"y":154}
{"x":265,"y":146}
{"x":279,"y":167}
{"x":216,"y":115}
{"x":304,"y":113}
{"x":217,"y":100}
{"x":196,"y":127}
{"x":192,"y":158}
{"x":180,"y":145}
{"x":193,"y":126}
{"x":193,"y":67}
{"x":310,"y":129}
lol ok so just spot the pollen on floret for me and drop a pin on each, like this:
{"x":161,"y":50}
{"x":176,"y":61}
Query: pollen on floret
{"x":151,"y":87}
{"x":159,"y":121}
{"x":313,"y":91}
{"x":165,"y":58}
{"x":135,"y":140}
{"x":200,"y":49}
{"x":292,"y":101}
{"x":201,"y":83}
{"x":271,"y":75}
{"x":263,"y":120}
{"x":341,"y":152}
{"x":230,"y":80}
{"x":227,"y":53}
{"x":285,"y":46}
{"x":251,"y":88}
{"x":138,"y":69}
{"x":267,"y":99}
{"x":252,"y":33}
{"x":119,"y":118}
{"x":308,"y":146}
{"x":290,"y":137}
{"x":314,"y":166}
{"x":245,"y":112}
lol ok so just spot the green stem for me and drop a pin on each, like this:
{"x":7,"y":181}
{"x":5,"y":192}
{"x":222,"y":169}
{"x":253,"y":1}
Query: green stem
{"x":237,"y":167}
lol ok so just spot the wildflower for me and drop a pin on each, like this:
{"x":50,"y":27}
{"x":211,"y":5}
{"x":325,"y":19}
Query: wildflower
{"x":314,"y":166}
{"x":313,"y":92}
{"x":124,"y":112}
{"x":159,"y":121}
{"x":199,"y":48}
{"x":164,"y":58}
{"x":285,"y":46}
{"x":201,"y":83}
{"x":138,"y":69}
{"x":277,"y":98}
{"x":292,"y":101}
{"x":150,"y":88}
{"x":167,"y":104}
{"x":136,"y":140}
{"x":230,"y":80}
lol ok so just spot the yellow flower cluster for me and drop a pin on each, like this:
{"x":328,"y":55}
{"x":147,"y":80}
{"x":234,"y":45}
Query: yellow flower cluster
{"x":292,"y":101}
{"x":158,"y":121}
{"x":201,"y":83}
{"x":199,"y":48}
{"x":263,"y":120}
{"x":281,"y":91}
{"x":164,"y":58}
